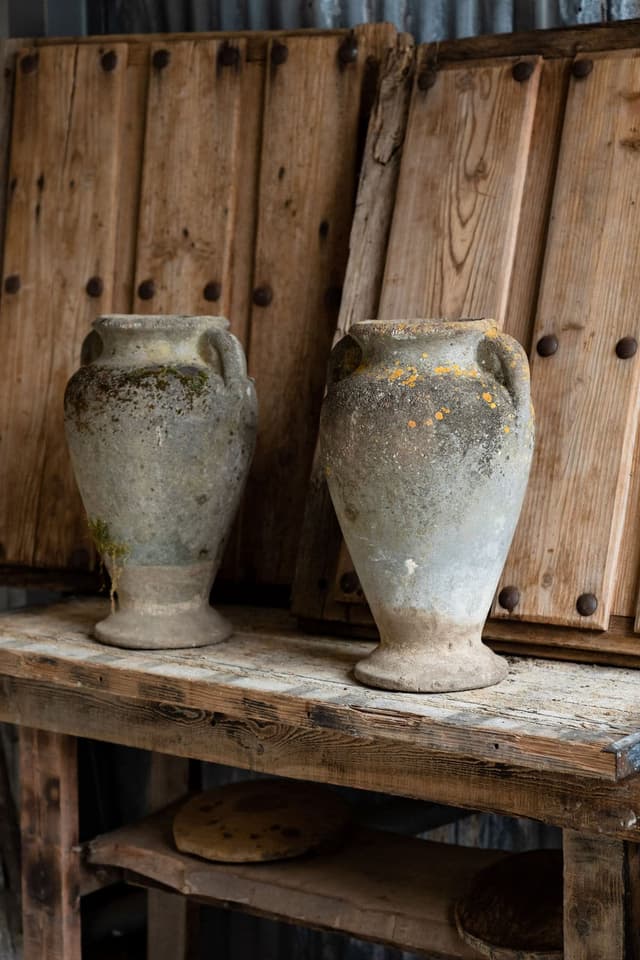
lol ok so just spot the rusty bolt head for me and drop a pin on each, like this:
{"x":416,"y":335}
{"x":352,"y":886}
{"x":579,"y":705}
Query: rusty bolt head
{"x":509,"y":598}
{"x":581,"y":68}
{"x":547,"y":345}
{"x":229,"y":56}
{"x":94,"y":286}
{"x":522,"y":71}
{"x":12,"y":283}
{"x":212,"y":291}
{"x":29,"y":63}
{"x":348,"y":51}
{"x":109,"y":61}
{"x":626,"y":348}
{"x":262,"y":296}
{"x":279,"y":53}
{"x":146,"y":289}
{"x":587,"y":604}
{"x":349,"y":582}
{"x":161,"y":58}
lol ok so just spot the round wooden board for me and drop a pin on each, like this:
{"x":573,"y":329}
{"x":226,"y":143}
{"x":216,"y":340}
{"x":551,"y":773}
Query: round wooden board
{"x":259,"y":820}
{"x":513,"y":909}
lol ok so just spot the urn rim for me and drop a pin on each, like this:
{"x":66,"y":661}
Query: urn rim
{"x":399,"y":329}
{"x":159,"y":322}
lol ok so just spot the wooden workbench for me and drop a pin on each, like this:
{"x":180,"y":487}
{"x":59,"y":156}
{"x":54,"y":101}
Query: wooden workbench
{"x":558,"y":742}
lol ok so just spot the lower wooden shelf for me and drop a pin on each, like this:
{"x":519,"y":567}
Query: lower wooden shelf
{"x":378,"y":886}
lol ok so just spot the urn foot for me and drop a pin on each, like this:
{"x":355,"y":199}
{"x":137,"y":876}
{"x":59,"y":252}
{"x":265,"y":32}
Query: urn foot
{"x":163,"y":608}
{"x":422,"y":653}
{"x":164,"y":629}
{"x":390,"y":668}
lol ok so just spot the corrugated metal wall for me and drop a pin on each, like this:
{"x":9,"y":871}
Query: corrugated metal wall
{"x":425,"y":19}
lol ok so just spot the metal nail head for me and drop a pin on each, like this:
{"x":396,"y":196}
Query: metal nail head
{"x":146,"y":289}
{"x":262,"y":296}
{"x":626,"y":348}
{"x":350,"y":582}
{"x":522,"y":70}
{"x":94,"y":286}
{"x":109,"y":61}
{"x":509,"y":598}
{"x":279,"y":53}
{"x":581,"y":68}
{"x":587,"y":604}
{"x":161,"y":58}
{"x":547,"y":345}
{"x":212,"y":291}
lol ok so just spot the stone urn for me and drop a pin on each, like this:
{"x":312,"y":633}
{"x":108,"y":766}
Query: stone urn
{"x":427,"y":437}
{"x":161,"y":428}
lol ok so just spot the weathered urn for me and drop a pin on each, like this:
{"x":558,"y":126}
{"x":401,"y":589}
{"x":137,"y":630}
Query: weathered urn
{"x":161,"y":428}
{"x":427,"y":438}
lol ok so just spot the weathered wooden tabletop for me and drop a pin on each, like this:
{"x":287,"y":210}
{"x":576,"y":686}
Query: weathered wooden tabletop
{"x":554,"y":717}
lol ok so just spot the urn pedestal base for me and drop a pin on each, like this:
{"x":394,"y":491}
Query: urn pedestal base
{"x":422,"y":653}
{"x":163,"y":608}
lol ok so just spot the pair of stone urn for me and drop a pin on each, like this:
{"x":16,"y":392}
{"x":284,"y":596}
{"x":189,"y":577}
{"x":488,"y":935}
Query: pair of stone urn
{"x":426,"y":433}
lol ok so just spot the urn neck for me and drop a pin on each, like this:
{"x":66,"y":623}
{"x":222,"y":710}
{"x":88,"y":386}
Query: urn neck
{"x":129,"y":340}
{"x":441,"y":341}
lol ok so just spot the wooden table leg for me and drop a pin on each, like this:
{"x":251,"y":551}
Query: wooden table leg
{"x":601,"y":898}
{"x":169,"y":916}
{"x":49,"y":833}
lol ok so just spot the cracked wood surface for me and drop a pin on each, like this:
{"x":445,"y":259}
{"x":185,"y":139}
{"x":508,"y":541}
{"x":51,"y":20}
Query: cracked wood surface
{"x":557,"y":717}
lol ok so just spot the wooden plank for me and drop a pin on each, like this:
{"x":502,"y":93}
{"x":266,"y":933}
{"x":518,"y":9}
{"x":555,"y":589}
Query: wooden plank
{"x":327,"y":755}
{"x":133,"y":118}
{"x":50,"y":864}
{"x":167,"y":927}
{"x":378,"y":886}
{"x":544,"y":716}
{"x":594,"y":897}
{"x":536,"y":200}
{"x":190,"y":179}
{"x":307,"y":187}
{"x":568,"y":538}
{"x":459,"y":196}
{"x":64,"y":150}
{"x":320,"y":538}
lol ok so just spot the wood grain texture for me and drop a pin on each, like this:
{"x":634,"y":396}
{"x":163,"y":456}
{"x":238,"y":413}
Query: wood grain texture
{"x":190,"y":179}
{"x":586,"y":398}
{"x":378,"y":886}
{"x":458,"y":204}
{"x":308,"y":175}
{"x":130,"y":157}
{"x":64,"y":150}
{"x":546,"y":716}
{"x":167,"y":914}
{"x":536,"y":200}
{"x":321,"y":537}
{"x":594,"y":897}
{"x":49,"y":828}
{"x":327,"y":755}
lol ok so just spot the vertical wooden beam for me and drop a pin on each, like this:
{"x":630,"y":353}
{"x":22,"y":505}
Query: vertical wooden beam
{"x":49,"y":828}
{"x":597,"y":901}
{"x":168,"y":915}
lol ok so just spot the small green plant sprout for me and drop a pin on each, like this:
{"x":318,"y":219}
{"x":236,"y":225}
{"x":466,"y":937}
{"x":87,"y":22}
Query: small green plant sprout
{"x":110,"y":551}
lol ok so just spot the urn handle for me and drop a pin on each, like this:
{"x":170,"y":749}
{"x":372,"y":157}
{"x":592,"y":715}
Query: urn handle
{"x":344,"y":359}
{"x":511,"y":368}
{"x":233,"y":365}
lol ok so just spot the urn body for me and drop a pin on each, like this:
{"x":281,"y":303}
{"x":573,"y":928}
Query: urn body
{"x":161,"y":429}
{"x":427,"y":438}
